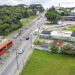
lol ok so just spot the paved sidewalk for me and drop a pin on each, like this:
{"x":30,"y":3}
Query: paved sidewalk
{"x":23,"y":62}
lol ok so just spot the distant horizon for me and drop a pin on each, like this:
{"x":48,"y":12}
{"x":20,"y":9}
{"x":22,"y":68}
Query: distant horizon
{"x":45,"y":3}
{"x":31,"y":4}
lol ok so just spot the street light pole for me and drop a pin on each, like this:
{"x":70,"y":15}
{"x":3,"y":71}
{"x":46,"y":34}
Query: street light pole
{"x":38,"y":29}
{"x":17,"y":60}
{"x":31,"y":39}
{"x":17,"y":57}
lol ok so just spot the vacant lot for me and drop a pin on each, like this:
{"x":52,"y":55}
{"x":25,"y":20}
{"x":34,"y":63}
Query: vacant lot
{"x":45,"y":63}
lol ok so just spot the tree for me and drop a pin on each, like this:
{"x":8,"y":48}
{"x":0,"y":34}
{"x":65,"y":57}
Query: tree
{"x":66,"y":48}
{"x":10,"y":19}
{"x":7,"y":31}
{"x":65,"y":12}
{"x":53,"y":17}
{"x":54,"y":48}
{"x":3,"y":28}
{"x":36,"y":7}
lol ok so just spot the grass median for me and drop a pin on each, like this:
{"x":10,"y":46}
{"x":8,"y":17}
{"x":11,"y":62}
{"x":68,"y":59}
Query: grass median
{"x":71,"y":28}
{"x":46,"y":63}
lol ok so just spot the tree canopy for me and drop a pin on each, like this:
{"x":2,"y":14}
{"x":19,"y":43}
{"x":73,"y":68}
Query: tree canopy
{"x":10,"y":17}
{"x":53,"y":17}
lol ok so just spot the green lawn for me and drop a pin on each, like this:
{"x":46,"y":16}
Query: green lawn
{"x":32,"y":17}
{"x":71,"y":28}
{"x":46,"y":63}
{"x":28,"y":21}
{"x":50,"y":23}
{"x":25,"y":23}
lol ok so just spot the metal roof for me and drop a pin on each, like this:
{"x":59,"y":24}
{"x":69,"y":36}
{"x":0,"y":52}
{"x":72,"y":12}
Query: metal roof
{"x":45,"y":32}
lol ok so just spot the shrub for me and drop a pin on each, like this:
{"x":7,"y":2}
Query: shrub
{"x":54,"y":48}
{"x":67,"y":49}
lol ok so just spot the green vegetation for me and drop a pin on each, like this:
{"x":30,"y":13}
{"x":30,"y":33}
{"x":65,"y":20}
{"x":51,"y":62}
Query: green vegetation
{"x":50,"y":23}
{"x":46,"y":63}
{"x":65,"y":12}
{"x":40,"y":42}
{"x":10,"y":17}
{"x":32,"y":17}
{"x":71,"y":28}
{"x":52,"y":17}
{"x":1,"y":63}
{"x":36,"y":7}
{"x":54,"y":48}
{"x":29,"y":18}
{"x":68,"y":49}
{"x":37,"y":42}
{"x":25,"y":23}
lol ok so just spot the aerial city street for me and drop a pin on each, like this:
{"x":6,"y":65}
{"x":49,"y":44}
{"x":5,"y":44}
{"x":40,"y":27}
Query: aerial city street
{"x":37,"y":37}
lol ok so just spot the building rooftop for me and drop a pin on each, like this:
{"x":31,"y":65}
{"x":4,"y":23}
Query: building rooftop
{"x":46,"y":32}
{"x":59,"y":35}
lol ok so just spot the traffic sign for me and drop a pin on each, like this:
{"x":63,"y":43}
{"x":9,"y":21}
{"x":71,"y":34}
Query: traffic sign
{"x":30,"y":45}
{"x":5,"y":54}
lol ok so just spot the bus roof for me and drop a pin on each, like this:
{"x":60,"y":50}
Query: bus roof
{"x":1,"y":46}
{"x":7,"y":42}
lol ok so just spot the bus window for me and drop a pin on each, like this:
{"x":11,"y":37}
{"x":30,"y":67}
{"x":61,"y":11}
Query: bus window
{"x":9,"y":43}
{"x":2,"y":50}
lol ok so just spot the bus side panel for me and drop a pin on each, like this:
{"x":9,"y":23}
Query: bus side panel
{"x":9,"y":45}
{"x":2,"y":51}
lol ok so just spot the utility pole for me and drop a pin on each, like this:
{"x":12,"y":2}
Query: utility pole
{"x":17,"y":60}
{"x":38,"y":26}
{"x":59,"y":4}
{"x":31,"y":37}
{"x":17,"y":57}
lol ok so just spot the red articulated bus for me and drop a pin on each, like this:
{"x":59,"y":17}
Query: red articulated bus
{"x":5,"y":46}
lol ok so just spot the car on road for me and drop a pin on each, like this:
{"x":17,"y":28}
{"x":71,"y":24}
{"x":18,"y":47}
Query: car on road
{"x":27,"y":38}
{"x":15,"y":36}
{"x":69,"y":24}
{"x":36,"y":31}
{"x":20,"y":51}
{"x":65,"y":28}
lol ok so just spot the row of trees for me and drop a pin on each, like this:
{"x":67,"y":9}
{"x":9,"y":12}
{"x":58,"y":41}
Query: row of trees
{"x":66,"y":49}
{"x":10,"y":17}
{"x":36,"y":7}
{"x":65,"y":11}
{"x":52,"y":16}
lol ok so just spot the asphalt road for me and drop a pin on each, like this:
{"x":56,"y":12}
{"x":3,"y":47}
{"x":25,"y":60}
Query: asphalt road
{"x":11,"y":64}
{"x":25,"y":31}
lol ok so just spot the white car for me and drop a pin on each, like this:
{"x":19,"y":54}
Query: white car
{"x":15,"y":36}
{"x":36,"y":31}
{"x":20,"y":51}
